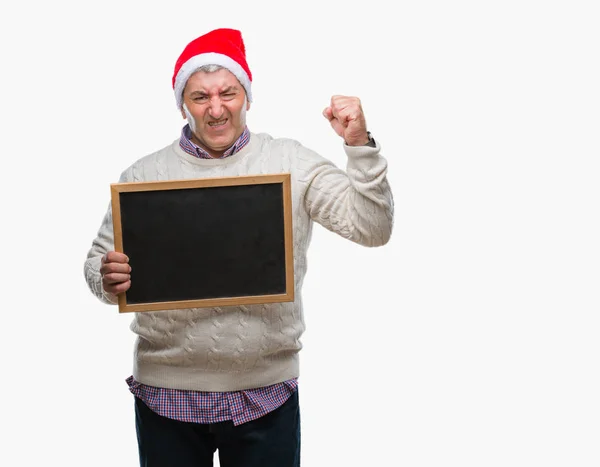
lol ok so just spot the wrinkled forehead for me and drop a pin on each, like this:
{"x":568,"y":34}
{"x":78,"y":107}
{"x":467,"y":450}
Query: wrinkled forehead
{"x":202,"y":80}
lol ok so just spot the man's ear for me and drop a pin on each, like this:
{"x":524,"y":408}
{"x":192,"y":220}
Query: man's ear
{"x":247,"y":104}
{"x":182,"y":111}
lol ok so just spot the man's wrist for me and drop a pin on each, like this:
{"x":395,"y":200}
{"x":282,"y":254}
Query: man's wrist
{"x":370,"y":142}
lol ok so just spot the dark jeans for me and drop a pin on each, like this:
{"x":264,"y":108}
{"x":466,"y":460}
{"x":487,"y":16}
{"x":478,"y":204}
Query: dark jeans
{"x":272,"y":440}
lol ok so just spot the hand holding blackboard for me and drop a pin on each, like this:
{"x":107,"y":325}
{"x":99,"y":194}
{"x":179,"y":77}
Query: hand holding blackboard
{"x":115,"y":272}
{"x":197,"y":243}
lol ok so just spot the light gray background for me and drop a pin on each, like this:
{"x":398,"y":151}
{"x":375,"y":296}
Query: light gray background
{"x":470,"y":340}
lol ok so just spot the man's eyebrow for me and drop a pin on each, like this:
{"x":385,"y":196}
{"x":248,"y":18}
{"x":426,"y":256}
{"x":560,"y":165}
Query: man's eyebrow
{"x":224,"y":91}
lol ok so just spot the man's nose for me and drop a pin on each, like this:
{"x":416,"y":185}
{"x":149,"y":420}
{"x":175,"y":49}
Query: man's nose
{"x":216,"y":108}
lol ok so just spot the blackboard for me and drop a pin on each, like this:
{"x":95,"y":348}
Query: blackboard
{"x":205,"y":242}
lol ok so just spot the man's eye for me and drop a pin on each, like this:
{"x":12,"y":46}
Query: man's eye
{"x":200,"y":99}
{"x":229,"y":95}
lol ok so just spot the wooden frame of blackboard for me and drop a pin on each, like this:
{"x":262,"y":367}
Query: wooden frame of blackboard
{"x":222,"y":184}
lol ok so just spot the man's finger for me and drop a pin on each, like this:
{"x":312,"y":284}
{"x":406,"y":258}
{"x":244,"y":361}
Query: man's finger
{"x":109,"y":268}
{"x":116,"y":289}
{"x":115,"y":257}
{"x":115,"y":278}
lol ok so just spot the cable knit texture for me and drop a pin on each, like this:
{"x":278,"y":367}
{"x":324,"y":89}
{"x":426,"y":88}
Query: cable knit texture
{"x":242,"y":347}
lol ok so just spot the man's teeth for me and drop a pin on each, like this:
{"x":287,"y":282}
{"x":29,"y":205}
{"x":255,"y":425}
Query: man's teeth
{"x":217,"y":123}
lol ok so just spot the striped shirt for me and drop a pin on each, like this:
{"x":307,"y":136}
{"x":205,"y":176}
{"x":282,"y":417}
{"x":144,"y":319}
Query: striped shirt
{"x":212,"y":407}
{"x":190,"y":147}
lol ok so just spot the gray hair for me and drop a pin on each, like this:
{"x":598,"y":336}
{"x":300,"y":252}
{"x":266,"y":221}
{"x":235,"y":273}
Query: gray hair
{"x":210,"y":68}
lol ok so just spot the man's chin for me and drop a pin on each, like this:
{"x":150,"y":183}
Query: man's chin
{"x":220,"y":144}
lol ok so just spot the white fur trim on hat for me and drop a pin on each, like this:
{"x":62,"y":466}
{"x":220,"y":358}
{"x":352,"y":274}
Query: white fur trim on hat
{"x":211,"y":58}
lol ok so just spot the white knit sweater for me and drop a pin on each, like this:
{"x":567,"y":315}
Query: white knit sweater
{"x":241,"y":347}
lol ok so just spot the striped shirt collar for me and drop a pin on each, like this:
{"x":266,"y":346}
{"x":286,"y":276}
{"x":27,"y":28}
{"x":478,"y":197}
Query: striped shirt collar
{"x":185,"y":141}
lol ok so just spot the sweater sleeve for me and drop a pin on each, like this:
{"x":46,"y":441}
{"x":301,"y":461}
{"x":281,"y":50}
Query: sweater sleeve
{"x":103,"y":243}
{"x":356,"y":204}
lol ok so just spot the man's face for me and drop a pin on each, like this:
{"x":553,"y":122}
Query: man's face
{"x":215,"y":106}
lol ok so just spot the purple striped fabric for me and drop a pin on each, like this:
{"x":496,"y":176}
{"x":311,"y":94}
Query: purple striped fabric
{"x":212,"y":407}
{"x":185,"y":142}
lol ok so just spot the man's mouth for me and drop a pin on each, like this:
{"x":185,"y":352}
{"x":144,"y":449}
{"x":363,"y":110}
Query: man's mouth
{"x":217,"y":123}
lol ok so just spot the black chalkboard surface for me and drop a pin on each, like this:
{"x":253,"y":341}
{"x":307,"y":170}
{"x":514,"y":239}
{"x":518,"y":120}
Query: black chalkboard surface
{"x":205,"y":242}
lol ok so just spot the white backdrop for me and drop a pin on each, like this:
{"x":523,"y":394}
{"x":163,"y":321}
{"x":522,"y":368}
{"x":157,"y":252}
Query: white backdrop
{"x":470,"y":340}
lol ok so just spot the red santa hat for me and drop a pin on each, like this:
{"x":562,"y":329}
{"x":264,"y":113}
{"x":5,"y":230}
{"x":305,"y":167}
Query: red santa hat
{"x":224,"y":47}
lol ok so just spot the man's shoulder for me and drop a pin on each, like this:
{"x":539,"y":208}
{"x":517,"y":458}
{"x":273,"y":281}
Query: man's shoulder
{"x":160,"y":153}
{"x":153,"y":159}
{"x":267,"y":140}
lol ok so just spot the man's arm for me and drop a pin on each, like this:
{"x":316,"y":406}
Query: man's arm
{"x":106,"y":271}
{"x":356,"y":204}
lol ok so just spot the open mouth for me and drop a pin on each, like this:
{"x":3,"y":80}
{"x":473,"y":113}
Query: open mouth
{"x":217,"y":123}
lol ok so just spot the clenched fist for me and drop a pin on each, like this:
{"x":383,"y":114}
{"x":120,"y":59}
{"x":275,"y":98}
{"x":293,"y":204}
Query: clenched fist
{"x":346,"y":117}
